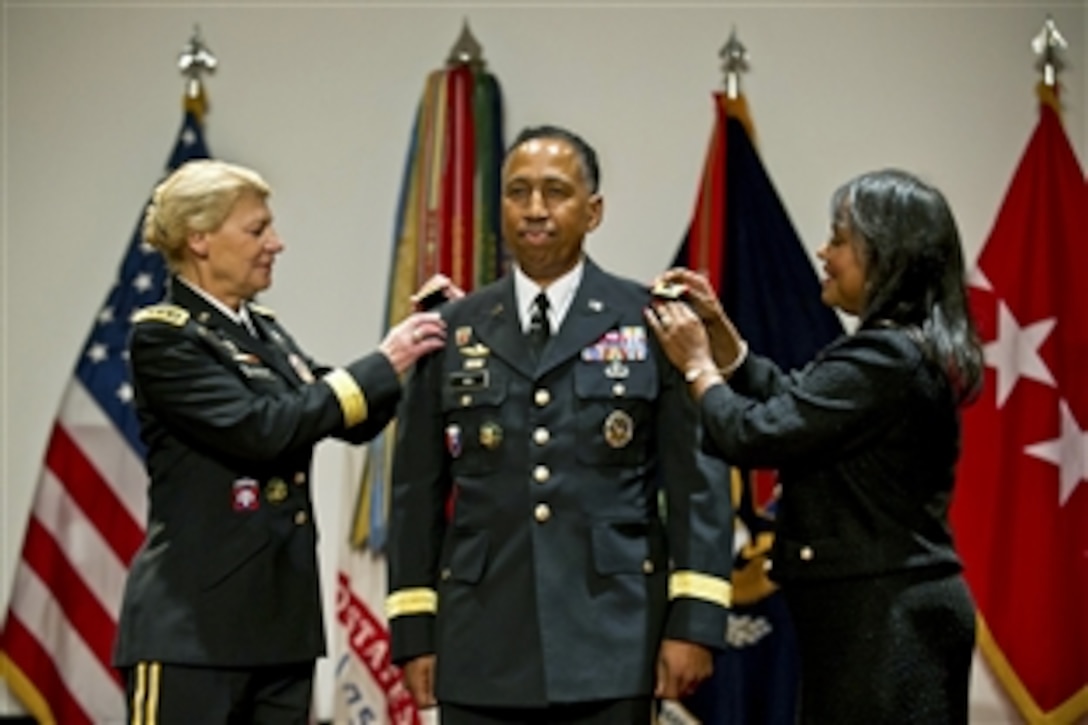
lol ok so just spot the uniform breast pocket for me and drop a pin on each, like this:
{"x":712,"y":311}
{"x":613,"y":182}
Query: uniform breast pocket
{"x":472,"y":410}
{"x":615,"y":411}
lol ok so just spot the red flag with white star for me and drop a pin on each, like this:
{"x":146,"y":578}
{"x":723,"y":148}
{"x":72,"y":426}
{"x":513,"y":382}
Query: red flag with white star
{"x":1021,"y":508}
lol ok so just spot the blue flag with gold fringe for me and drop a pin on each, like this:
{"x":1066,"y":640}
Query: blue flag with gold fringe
{"x":742,"y":238}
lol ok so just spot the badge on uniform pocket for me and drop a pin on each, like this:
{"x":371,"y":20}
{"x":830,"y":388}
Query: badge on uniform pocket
{"x":245,"y":496}
{"x":453,"y":440}
{"x":619,"y":428}
{"x":490,"y":435}
{"x":276,"y":490}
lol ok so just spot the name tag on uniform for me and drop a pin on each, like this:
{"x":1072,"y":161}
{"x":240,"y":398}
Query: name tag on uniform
{"x":470,"y":380}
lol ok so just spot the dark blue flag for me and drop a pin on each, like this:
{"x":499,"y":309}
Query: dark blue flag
{"x":743,"y":239}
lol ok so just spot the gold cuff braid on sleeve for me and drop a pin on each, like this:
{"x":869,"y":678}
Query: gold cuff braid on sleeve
{"x":696,"y":585}
{"x":411,"y":601}
{"x":349,"y":395}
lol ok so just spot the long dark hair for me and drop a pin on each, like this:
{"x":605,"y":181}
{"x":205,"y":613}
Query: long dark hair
{"x":915,"y":268}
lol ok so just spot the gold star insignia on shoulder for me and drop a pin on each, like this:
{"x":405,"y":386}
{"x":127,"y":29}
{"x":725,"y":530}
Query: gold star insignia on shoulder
{"x":669,"y":290}
{"x":166,"y":313}
{"x":262,"y":311}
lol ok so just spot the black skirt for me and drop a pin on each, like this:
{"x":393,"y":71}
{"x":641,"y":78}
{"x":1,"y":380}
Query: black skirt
{"x":891,"y":649}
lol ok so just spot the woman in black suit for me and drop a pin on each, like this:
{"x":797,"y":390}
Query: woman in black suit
{"x":865,"y":439}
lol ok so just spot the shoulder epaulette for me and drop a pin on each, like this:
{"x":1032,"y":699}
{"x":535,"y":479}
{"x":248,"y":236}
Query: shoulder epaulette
{"x":170,"y":314}
{"x":262,"y":311}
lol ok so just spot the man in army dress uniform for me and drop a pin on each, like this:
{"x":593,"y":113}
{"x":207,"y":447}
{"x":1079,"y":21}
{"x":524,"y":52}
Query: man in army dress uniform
{"x":532,"y":576}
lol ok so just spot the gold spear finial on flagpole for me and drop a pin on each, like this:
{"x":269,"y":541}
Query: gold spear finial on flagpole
{"x":1049,"y":46}
{"x":194,"y":61}
{"x":734,"y":62}
{"x":467,"y":50}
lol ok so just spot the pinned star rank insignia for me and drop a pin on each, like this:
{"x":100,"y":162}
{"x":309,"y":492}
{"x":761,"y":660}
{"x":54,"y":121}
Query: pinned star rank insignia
{"x":618,"y":428}
{"x":669,"y":290}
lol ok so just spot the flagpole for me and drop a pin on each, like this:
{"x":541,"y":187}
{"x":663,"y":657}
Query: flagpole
{"x":1049,"y":45}
{"x":734,"y":62}
{"x":466,"y":50}
{"x":194,"y":61}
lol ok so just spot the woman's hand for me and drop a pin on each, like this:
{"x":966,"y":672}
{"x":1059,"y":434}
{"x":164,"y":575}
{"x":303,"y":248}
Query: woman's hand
{"x":417,"y":335}
{"x":682,"y":336}
{"x":726,"y":343}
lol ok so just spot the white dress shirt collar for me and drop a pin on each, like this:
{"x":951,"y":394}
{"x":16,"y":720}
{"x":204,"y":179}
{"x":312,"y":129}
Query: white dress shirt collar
{"x":560,"y":295}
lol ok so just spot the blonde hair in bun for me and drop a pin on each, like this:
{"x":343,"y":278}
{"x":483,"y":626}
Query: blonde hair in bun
{"x":197,"y":197}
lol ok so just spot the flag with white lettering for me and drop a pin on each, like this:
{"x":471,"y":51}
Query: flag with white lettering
{"x":447,"y":222}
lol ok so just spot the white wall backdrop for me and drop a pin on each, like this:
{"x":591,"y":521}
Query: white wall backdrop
{"x":320,"y":96}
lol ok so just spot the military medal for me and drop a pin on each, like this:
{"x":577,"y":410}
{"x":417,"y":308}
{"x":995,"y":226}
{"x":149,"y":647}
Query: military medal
{"x":490,"y":435}
{"x":616,"y":370}
{"x":453,"y":440}
{"x":619,"y":428}
{"x":276,"y":490}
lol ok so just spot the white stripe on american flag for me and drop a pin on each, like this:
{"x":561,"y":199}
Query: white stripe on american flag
{"x":83,"y":544}
{"x":83,"y":675}
{"x":100,"y":442}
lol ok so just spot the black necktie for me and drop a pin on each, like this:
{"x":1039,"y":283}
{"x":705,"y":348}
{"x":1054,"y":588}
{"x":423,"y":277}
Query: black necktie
{"x":539,"y":327}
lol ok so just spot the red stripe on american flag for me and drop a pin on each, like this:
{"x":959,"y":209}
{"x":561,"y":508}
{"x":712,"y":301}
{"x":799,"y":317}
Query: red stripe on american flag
{"x":37,"y":666}
{"x":95,"y":625}
{"x":93,"y":495}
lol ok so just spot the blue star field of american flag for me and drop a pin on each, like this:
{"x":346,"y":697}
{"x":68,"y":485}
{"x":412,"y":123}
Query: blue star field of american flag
{"x":103,"y":365}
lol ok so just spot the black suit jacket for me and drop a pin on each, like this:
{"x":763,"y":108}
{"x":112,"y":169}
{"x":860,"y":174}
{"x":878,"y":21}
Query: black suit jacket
{"x":227,"y":575}
{"x":865,"y":439}
{"x":527,"y":548}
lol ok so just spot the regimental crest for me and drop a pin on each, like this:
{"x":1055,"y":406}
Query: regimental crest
{"x":245,"y":495}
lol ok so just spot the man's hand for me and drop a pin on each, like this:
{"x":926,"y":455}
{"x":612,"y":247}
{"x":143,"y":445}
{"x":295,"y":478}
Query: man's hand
{"x":419,"y":679}
{"x":681,"y":666}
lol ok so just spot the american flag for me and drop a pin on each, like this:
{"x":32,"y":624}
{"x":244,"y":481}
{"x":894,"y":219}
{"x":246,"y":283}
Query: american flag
{"x":89,"y":510}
